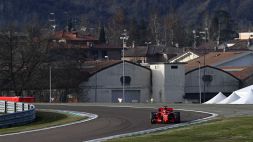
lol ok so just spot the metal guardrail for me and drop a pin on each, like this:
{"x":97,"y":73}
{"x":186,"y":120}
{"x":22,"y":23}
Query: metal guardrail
{"x":16,"y":113}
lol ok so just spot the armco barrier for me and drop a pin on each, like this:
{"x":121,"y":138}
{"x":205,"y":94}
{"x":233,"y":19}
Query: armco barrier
{"x":16,"y":113}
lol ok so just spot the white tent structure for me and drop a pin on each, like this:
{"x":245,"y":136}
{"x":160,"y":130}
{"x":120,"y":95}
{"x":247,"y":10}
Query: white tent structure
{"x":245,"y":99}
{"x":241,"y":96}
{"x":219,"y":97}
{"x":233,"y":97}
{"x":244,"y":91}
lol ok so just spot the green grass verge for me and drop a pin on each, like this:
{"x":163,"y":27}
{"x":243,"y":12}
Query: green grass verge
{"x":236,"y":129}
{"x":44,"y":119}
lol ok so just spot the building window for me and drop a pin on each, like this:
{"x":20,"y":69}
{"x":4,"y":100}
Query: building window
{"x":174,"y":67}
{"x":127,"y":80}
{"x":207,"y":78}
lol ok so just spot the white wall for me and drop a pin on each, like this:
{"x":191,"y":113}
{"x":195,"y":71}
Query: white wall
{"x":245,"y":35}
{"x":174,"y":83}
{"x":158,"y":81}
{"x":168,"y":83}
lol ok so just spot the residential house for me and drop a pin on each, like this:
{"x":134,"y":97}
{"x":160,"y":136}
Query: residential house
{"x":88,"y":45}
{"x":136,"y":54}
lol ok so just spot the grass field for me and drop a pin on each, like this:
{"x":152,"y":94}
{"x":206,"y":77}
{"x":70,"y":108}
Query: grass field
{"x":236,"y":129}
{"x":43,"y":119}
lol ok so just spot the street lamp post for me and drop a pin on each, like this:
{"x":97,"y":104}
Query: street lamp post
{"x":123,"y":37}
{"x":50,"y":84}
{"x":199,"y":84}
{"x":194,"y":38}
{"x":52,"y":21}
{"x":96,"y":79}
{"x":147,"y":43}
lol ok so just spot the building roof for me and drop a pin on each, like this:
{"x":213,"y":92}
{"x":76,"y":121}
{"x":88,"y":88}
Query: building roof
{"x":138,"y":51}
{"x":73,"y":36}
{"x":240,"y":72}
{"x":214,"y":58}
{"x":182,"y":56}
{"x":162,"y":49}
{"x":211,"y":46}
{"x":207,"y":66}
{"x":238,"y":45}
{"x":107,"y":46}
{"x":93,"y":67}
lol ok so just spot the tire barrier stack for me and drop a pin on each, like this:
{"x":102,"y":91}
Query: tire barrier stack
{"x":16,"y":113}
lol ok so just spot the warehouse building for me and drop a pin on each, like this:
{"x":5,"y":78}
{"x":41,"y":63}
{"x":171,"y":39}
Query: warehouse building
{"x":105,"y":83}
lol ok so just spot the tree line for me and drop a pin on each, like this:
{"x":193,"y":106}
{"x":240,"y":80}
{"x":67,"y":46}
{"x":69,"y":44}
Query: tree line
{"x":26,"y":57}
{"x":26,"y":62}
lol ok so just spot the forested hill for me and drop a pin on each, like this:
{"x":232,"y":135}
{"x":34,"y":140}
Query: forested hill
{"x":190,"y":11}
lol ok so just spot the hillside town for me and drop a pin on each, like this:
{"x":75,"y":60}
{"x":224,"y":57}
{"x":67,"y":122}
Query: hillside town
{"x":155,"y":60}
{"x":81,"y":67}
{"x":126,"y":71}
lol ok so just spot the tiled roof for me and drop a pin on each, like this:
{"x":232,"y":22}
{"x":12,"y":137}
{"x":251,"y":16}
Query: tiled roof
{"x":212,"y":58}
{"x":161,"y":49}
{"x":239,"y":45}
{"x":73,"y":36}
{"x":138,"y":51}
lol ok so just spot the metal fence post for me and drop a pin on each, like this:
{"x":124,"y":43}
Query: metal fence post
{"x":5,"y":106}
{"x":15,"y":107}
{"x":23,"y":106}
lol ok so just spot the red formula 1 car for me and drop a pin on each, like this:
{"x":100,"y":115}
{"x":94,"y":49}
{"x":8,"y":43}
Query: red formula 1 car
{"x":165,"y":115}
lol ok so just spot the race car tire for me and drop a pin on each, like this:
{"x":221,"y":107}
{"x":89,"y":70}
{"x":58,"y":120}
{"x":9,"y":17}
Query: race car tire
{"x":177,"y":117}
{"x":152,"y":117}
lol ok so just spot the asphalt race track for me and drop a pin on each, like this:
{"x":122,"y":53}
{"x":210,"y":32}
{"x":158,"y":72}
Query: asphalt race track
{"x":111,"y":121}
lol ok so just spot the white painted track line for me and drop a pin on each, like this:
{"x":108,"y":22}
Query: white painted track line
{"x":84,"y":114}
{"x":213,"y":115}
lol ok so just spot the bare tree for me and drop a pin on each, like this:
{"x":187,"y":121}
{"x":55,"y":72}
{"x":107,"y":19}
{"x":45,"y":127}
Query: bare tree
{"x":20,"y":58}
{"x":155,"y":27}
{"x":116,"y":25}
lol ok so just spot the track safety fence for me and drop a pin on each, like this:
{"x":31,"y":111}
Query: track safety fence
{"x":16,"y":113}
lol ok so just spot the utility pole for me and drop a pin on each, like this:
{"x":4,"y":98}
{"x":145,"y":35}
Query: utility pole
{"x":199,"y":83}
{"x":50,"y":84}
{"x":124,"y":37}
{"x":218,"y":37}
{"x":194,"y":39}
{"x":148,"y":43}
{"x":52,"y":21}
